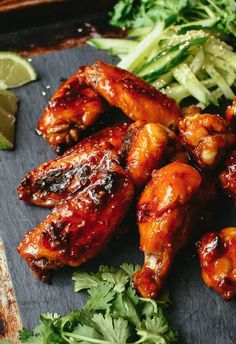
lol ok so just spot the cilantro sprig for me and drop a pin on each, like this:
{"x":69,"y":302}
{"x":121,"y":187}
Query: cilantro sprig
{"x":113,"y":314}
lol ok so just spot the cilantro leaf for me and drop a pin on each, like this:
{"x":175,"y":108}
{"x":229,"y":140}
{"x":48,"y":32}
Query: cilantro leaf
{"x":156,"y":330}
{"x":125,"y":308}
{"x":84,"y":280}
{"x":115,"y":331}
{"x":24,"y":334}
{"x":85,"y":331}
{"x":113,"y":314}
{"x":100,"y":297}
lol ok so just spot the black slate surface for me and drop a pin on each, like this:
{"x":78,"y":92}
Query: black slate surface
{"x":197,"y":312}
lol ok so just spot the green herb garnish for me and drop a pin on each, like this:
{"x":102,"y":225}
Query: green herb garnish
{"x":113,"y":314}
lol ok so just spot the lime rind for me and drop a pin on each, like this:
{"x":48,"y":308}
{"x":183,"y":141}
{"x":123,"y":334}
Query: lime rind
{"x":15,"y":70}
{"x":5,"y":144}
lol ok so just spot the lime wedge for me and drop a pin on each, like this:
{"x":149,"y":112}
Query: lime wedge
{"x":14,"y":70}
{"x":8,"y":102}
{"x":7,"y":129}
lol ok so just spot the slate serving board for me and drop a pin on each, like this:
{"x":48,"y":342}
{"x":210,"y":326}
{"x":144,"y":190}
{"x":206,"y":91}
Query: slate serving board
{"x":197,"y":312}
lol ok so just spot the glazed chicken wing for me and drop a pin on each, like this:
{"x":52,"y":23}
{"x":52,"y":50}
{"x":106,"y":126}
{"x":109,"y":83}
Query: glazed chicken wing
{"x":167,"y":213}
{"x":74,"y":107}
{"x":228,"y":176}
{"x":136,"y":98}
{"x":206,"y":137}
{"x":78,"y":228}
{"x":146,"y":147}
{"x":217,"y":253}
{"x":60,"y":178}
{"x":231,"y":115}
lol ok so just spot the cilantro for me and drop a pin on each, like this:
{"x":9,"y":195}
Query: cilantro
{"x":140,"y":13}
{"x":113,"y":330}
{"x":100,"y":297}
{"x":113,"y":314}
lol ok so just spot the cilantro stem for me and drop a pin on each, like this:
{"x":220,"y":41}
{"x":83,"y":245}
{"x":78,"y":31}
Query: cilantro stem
{"x":91,"y":340}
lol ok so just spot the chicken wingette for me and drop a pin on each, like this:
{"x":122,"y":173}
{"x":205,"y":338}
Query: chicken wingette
{"x":217,"y":253}
{"x":167,"y":213}
{"x":61,"y":177}
{"x":136,"y":98}
{"x":74,"y":107}
{"x":78,"y":228}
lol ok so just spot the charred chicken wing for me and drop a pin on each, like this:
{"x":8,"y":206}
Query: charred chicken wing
{"x":60,"y":178}
{"x":74,"y":107}
{"x":217,"y":253}
{"x":206,"y":138}
{"x":228,"y":176}
{"x":146,"y":147}
{"x":167,"y":212}
{"x":78,"y":228}
{"x":137,"y":99}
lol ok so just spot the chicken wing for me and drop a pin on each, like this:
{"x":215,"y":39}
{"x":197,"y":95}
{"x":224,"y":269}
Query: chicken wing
{"x":217,"y":254}
{"x":231,"y":115}
{"x":74,"y":107}
{"x":60,"y":178}
{"x":228,"y":176}
{"x":167,"y":213}
{"x":206,"y":137}
{"x":136,"y":98}
{"x":146,"y":147}
{"x":78,"y":228}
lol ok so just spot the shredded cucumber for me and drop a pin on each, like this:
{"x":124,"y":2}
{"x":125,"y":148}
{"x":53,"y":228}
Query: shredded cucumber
{"x":114,"y":46}
{"x":137,"y":55}
{"x":181,"y":60}
{"x":223,"y":86}
{"x":197,"y":61}
{"x":186,"y":77}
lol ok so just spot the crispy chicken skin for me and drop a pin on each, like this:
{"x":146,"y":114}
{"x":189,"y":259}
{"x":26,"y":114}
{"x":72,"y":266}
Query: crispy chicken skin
{"x":136,"y":98}
{"x":74,"y":107}
{"x":78,"y":228}
{"x":206,"y":137}
{"x":166,"y":214}
{"x":217,"y":254}
{"x":146,"y":147}
{"x":228,"y":176}
{"x":61,"y":177}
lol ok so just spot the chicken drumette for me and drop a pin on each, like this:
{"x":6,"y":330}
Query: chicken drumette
{"x":79,"y":227}
{"x":167,"y":213}
{"x":217,"y":253}
{"x":147,"y":146}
